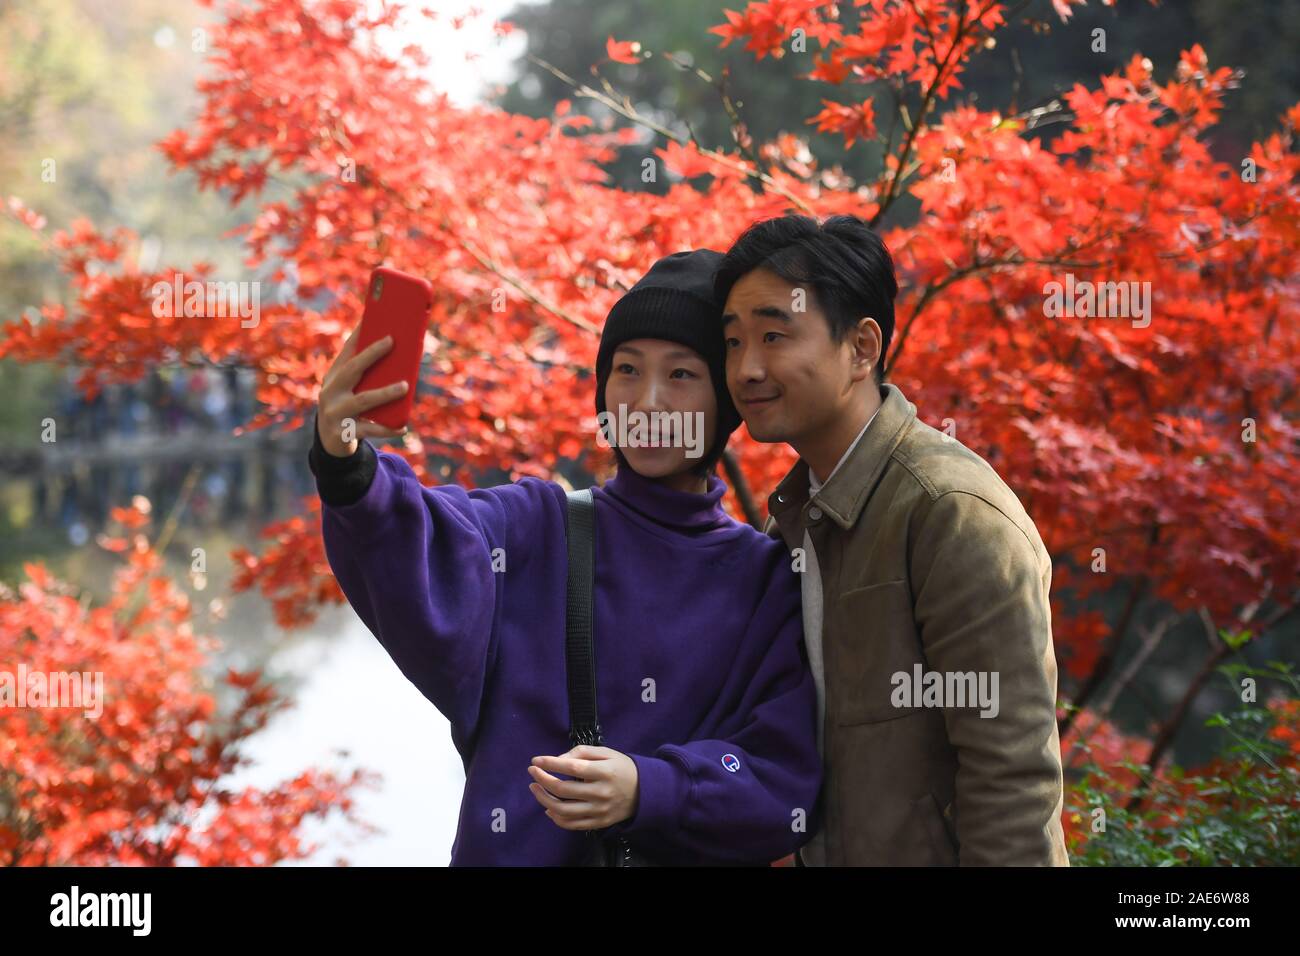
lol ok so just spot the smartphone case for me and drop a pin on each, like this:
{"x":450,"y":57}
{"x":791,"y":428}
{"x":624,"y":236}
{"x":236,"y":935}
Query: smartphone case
{"x":397,"y":304}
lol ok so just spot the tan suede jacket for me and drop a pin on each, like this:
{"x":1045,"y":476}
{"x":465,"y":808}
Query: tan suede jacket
{"x":941,"y":745}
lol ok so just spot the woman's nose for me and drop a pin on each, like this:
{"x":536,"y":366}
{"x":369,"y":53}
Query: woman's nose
{"x":652,"y":398}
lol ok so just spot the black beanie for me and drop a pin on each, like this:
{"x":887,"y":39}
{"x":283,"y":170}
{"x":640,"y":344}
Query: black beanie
{"x":674,"y":301}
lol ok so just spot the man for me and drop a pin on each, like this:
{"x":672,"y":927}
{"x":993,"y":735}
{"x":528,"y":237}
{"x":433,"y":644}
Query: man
{"x":925,"y":583}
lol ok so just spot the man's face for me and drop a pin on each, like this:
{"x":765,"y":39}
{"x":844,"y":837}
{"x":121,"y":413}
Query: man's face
{"x":651,"y":376}
{"x":786,"y":376}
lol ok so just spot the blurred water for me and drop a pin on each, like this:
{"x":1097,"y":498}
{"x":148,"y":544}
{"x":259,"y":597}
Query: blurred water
{"x":350,"y":695}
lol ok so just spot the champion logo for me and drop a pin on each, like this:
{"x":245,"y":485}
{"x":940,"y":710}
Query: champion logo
{"x":730,"y":762}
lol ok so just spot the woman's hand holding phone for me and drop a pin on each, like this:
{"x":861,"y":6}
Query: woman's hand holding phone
{"x":338,"y":404}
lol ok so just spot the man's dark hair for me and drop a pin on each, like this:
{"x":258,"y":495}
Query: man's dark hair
{"x":842,"y":260}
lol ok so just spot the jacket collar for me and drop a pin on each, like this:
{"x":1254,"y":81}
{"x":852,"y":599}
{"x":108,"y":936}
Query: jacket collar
{"x":846,"y":492}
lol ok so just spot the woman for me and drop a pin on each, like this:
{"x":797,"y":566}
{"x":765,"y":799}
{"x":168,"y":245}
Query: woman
{"x":702,"y":682}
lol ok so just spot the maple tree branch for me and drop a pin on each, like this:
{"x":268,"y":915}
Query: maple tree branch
{"x":493,"y":266}
{"x":899,"y":114}
{"x":975,"y":268}
{"x":739,"y":128}
{"x":1106,"y":659}
{"x":1222,"y":649}
{"x":914,"y":129}
{"x":629,"y":112}
{"x":894,"y":189}
{"x":531,"y":294}
{"x":1151,"y":638}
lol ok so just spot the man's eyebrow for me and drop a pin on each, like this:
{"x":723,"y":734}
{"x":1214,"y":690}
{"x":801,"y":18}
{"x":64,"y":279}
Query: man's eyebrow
{"x":763,"y":311}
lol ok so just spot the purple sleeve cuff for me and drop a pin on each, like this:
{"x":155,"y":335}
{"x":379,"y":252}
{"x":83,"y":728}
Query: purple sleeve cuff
{"x":663,"y":788}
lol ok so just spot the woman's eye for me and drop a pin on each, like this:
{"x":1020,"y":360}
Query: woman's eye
{"x":624,"y":367}
{"x":732,"y":343}
{"x":685,"y":371}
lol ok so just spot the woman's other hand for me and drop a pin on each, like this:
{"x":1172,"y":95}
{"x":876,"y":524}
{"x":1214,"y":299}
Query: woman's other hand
{"x":603,"y":793}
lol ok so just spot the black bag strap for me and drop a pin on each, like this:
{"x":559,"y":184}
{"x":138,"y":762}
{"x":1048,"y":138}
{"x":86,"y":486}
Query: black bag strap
{"x":579,"y":650}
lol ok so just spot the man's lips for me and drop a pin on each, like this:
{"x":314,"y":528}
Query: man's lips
{"x":758,"y":401}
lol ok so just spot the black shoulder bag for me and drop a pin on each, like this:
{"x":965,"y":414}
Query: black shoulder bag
{"x":580,"y":659}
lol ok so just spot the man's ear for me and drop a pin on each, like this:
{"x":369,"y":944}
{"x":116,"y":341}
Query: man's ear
{"x":866,"y":341}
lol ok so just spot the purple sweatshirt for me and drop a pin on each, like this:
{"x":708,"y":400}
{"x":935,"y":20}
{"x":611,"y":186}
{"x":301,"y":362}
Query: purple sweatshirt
{"x":701,"y":673}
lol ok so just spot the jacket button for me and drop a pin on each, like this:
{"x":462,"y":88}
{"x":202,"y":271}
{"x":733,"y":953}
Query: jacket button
{"x":780,"y":498}
{"x":815,"y":513}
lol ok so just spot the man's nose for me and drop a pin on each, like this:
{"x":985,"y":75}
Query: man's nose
{"x":747,"y":365}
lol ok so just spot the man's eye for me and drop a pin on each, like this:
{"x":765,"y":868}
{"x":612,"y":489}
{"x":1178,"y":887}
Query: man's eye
{"x":772,"y":336}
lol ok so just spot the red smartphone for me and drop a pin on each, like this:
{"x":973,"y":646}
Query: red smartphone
{"x":397,"y":304}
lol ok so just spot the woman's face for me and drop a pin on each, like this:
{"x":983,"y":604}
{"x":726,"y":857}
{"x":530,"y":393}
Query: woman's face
{"x":660,"y":391}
